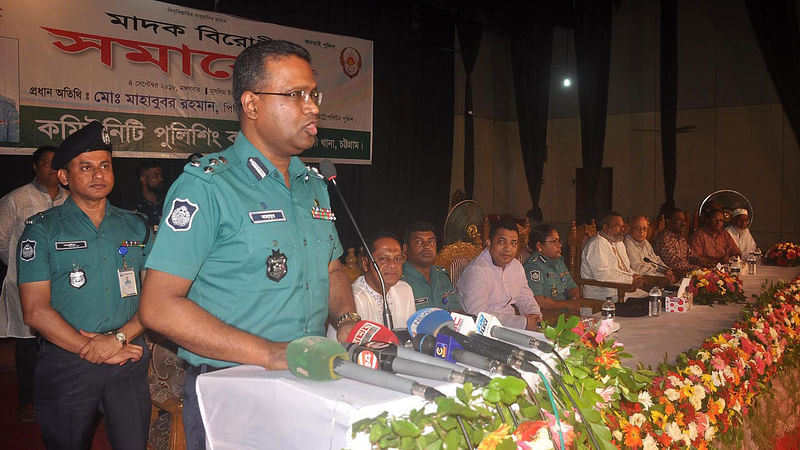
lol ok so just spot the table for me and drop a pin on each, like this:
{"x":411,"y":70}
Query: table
{"x":651,"y":340}
{"x":247,"y":407}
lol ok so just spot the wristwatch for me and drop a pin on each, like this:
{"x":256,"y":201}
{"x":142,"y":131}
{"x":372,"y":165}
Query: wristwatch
{"x":346,"y":317}
{"x":121,"y":337}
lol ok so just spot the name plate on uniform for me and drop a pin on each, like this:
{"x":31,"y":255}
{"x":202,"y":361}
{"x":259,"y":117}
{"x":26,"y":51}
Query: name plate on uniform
{"x":275,"y":215}
{"x":70,"y":245}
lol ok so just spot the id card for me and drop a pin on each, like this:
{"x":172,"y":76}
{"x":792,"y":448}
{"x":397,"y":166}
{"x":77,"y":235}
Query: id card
{"x":127,"y":282}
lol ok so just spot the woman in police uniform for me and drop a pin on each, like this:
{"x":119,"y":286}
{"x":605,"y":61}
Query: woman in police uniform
{"x":547,"y":272}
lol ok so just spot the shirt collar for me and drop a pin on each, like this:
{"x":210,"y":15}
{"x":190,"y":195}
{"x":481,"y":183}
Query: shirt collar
{"x":630,"y":238}
{"x":69,"y":207}
{"x":44,"y":190}
{"x":258,"y":167}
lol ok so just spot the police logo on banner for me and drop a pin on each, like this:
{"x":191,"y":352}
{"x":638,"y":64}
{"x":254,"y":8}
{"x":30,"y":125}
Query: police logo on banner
{"x":277,"y":266}
{"x":351,"y":61}
{"x":181,"y":215}
{"x":536,"y":275}
{"x":27,"y":250}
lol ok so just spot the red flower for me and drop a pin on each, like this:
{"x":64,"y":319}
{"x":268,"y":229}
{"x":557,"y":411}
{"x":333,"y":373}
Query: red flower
{"x":791,"y":255}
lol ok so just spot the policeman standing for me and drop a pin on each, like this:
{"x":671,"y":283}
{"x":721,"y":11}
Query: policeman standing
{"x":431,"y":284}
{"x":548,"y":275}
{"x":246,"y":258}
{"x":78,"y":267}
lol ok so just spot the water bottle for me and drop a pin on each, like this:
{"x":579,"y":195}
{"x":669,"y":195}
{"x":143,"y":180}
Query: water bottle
{"x":655,"y":302}
{"x":609,"y":310}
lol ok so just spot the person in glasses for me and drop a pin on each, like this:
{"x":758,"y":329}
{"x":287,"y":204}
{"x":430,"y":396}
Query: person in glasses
{"x":431,"y":284}
{"x":548,"y":275}
{"x":246,"y":258}
{"x":367,"y":292}
{"x":638,"y":248}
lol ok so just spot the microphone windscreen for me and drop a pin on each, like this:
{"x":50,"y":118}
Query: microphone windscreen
{"x":428,"y":321}
{"x":327,"y":169}
{"x":463,"y":323}
{"x":312,"y":357}
{"x":366,"y":331}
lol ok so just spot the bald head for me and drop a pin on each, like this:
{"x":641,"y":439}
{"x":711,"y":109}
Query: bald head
{"x":639,"y":226}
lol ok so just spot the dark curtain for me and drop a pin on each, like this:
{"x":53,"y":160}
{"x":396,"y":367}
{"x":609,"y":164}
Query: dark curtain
{"x":669,"y":98}
{"x":593,"y":51}
{"x":469,"y":39}
{"x":412,"y":139}
{"x":775,"y":26}
{"x":531,"y":51}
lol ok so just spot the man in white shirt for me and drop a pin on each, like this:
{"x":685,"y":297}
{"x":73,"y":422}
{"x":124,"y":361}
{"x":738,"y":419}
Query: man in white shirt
{"x":604,"y":259}
{"x":386,"y":250}
{"x":39,"y":195}
{"x":638,"y":248}
{"x":495,"y":281}
{"x":740,"y":232}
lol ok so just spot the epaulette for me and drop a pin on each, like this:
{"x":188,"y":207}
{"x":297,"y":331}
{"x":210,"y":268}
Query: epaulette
{"x":440,"y":269}
{"x":207,"y":166}
{"x":38,"y":217}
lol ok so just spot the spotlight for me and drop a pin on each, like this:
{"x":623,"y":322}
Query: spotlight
{"x":567,"y":82}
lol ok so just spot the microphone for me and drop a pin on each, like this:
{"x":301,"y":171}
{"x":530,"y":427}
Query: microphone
{"x":489,"y":325}
{"x":435,"y":321}
{"x":329,"y":173}
{"x":379,"y":355}
{"x":365,"y":332}
{"x":648,"y":260}
{"x":446,"y":347}
{"x":320,"y":359}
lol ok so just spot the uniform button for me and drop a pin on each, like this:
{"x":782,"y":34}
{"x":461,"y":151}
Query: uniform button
{"x":305,"y":243}
{"x":107,"y":291}
{"x":104,"y":258}
{"x":306,"y":286}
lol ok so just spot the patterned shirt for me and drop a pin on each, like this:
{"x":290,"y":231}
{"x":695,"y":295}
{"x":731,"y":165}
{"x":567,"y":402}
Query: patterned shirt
{"x":674,"y":250}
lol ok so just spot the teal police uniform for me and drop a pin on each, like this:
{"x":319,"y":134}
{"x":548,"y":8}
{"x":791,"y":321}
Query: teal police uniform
{"x":439,"y":293}
{"x":257,"y":251}
{"x":83,"y":263}
{"x":548,"y":277}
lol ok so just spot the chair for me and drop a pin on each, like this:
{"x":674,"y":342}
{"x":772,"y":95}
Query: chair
{"x":166,"y":373}
{"x":455,"y":257}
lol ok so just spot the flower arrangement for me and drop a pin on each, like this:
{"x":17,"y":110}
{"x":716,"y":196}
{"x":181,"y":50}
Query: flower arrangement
{"x":704,"y":397}
{"x":711,"y":285}
{"x":783,"y":254}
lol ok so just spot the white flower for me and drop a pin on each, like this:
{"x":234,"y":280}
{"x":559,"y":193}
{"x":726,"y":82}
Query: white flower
{"x":645,"y":400}
{"x":694,"y":370}
{"x":703,"y":355}
{"x":674,"y":380}
{"x":698,"y":394}
{"x":717,"y":379}
{"x":672,"y":394}
{"x":618,"y":435}
{"x":605,"y":379}
{"x":674,"y":431}
{"x":737,"y":407}
{"x":728,"y":372}
{"x":649,"y":443}
{"x":710,"y":432}
{"x":773,"y":334}
{"x":692,"y":433}
{"x":638,"y":419}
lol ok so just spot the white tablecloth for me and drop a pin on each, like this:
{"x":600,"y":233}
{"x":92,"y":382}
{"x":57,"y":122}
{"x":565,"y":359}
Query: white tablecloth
{"x":247,"y":407}
{"x":651,"y":340}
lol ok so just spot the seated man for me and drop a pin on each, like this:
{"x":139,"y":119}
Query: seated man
{"x":548,"y":276}
{"x":495,"y":282}
{"x":672,"y":246}
{"x":431,"y":284}
{"x":711,"y":243}
{"x":604,"y":259}
{"x":740,"y":232}
{"x":638,"y":249}
{"x":385,"y":248}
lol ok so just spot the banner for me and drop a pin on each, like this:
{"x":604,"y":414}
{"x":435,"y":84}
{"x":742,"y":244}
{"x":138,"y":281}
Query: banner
{"x":159,"y":77}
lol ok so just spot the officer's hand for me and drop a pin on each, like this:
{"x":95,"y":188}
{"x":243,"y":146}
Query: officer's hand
{"x":533,"y":321}
{"x":99,"y":348}
{"x":344,"y":331}
{"x":130,"y":352}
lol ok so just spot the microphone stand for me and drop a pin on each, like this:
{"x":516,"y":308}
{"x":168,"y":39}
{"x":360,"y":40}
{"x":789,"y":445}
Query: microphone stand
{"x":388,"y":322}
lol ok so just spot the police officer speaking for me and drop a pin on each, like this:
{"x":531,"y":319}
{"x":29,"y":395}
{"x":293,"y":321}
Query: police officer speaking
{"x":246,"y":258}
{"x":79,"y":285}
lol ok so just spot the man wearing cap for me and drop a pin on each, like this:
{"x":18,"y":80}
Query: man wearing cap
{"x":246,"y":258}
{"x":739,"y":230}
{"x":42,"y":193}
{"x":78,"y":271}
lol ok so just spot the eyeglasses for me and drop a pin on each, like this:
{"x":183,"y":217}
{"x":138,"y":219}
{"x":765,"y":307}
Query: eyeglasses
{"x":383,"y":260}
{"x":315,"y":96}
{"x":554,"y":242}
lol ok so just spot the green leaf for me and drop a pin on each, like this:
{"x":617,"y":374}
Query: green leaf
{"x":591,"y":414}
{"x":389,"y":442}
{"x":572,"y":322}
{"x":507,"y":444}
{"x":448,"y":423}
{"x":435,"y":445}
{"x":405,"y":428}
{"x":513,"y":385}
{"x":550,"y":333}
{"x":491,"y":395}
{"x":462,"y":395}
{"x":407,"y":443}
{"x":376,"y":433}
{"x":568,"y":379}
{"x":452,"y":440}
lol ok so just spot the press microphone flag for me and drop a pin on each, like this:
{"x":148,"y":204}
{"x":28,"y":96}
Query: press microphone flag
{"x":366,"y":331}
{"x":318,"y":358}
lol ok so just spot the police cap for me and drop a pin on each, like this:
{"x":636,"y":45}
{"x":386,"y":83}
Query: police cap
{"x":90,"y":138}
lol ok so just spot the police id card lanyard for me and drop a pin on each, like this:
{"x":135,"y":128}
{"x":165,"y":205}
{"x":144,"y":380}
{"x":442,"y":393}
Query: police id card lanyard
{"x":126,"y":275}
